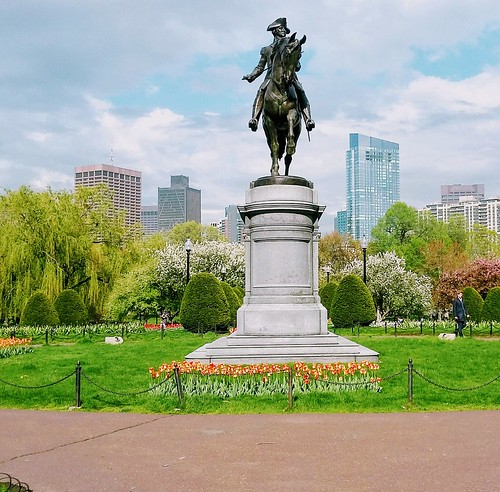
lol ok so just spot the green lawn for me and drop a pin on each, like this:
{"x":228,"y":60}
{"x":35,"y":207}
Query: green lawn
{"x":111,"y":369}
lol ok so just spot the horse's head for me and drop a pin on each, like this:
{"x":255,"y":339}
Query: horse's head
{"x":286,"y":58}
{"x":290,"y":55}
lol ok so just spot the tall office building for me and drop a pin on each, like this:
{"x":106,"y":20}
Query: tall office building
{"x":234,"y":224}
{"x":372,"y":172}
{"x":125,"y":185}
{"x":340,"y":222}
{"x":178,"y":204}
{"x":453,"y":193}
{"x":149,"y":219}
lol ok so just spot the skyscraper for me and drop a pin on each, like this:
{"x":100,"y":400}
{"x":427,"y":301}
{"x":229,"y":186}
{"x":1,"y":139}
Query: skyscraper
{"x":453,"y":193}
{"x":149,"y":219}
{"x":125,"y":185}
{"x":178,"y":204}
{"x":372,"y":172}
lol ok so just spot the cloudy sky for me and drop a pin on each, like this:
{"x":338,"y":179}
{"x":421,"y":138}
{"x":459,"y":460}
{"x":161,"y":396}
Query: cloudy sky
{"x":159,"y":82}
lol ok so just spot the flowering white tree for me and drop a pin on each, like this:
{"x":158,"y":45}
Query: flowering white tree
{"x":224,"y":260}
{"x":397,"y":292}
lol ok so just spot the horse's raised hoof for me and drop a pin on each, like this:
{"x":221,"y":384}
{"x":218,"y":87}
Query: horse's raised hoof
{"x":310,"y":125}
{"x":252,"y":124}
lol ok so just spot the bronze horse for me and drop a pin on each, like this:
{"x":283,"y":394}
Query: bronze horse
{"x":282,"y":117}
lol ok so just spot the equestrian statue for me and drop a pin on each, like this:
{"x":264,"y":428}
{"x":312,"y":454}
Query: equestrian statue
{"x":281,"y":98}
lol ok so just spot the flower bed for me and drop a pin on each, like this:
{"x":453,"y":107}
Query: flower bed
{"x":226,"y":380}
{"x":171,"y":326}
{"x":14,"y":346}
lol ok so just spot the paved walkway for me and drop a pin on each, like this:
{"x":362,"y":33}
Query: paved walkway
{"x":77,"y":451}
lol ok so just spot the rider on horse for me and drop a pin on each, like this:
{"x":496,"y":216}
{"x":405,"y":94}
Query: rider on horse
{"x":279,"y":30}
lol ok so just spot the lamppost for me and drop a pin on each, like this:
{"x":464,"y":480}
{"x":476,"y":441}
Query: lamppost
{"x":364,"y":244}
{"x":327,"y":269}
{"x":223,"y":273}
{"x":188,"y":246}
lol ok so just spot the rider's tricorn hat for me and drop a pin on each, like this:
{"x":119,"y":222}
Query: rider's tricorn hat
{"x":281,"y":22}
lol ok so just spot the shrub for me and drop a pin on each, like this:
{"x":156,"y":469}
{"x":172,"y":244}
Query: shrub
{"x":326,"y":294}
{"x":39,"y":311}
{"x":232,"y":301}
{"x":352,"y":304}
{"x":70,"y":308}
{"x":491,"y":306}
{"x":204,"y":306}
{"x":240,"y":293}
{"x":473,"y":303}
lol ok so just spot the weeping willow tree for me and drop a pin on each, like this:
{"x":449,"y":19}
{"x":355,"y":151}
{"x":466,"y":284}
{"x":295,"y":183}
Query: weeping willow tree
{"x":51,"y":241}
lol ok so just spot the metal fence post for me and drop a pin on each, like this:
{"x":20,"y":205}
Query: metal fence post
{"x":290,"y":389}
{"x":410,"y":380}
{"x":78,"y":382}
{"x":178,"y":383}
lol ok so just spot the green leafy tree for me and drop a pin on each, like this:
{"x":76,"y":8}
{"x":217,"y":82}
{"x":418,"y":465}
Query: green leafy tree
{"x":70,"y":308}
{"x":473,"y":303}
{"x":204,"y":305}
{"x":397,"y":292}
{"x":53,"y":241}
{"x":335,"y":251}
{"x":39,"y":311}
{"x":491,"y":306}
{"x":198,"y":233}
{"x":352,"y":304}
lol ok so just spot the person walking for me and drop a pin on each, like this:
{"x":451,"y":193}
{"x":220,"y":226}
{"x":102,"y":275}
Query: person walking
{"x":460,"y":314}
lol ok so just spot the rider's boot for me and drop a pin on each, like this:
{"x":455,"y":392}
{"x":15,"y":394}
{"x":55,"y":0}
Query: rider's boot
{"x":306,"y":113}
{"x":257,"y":109}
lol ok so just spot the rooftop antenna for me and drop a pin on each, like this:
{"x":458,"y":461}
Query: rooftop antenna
{"x":112,"y":155}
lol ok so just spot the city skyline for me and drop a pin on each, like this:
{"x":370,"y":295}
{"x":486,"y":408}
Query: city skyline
{"x":160,"y":84}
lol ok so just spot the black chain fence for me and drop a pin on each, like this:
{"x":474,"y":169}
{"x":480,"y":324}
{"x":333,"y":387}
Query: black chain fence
{"x":12,"y":484}
{"x":78,"y":373}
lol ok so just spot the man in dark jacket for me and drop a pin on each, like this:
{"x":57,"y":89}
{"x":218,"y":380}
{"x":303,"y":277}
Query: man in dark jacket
{"x":460,"y":314}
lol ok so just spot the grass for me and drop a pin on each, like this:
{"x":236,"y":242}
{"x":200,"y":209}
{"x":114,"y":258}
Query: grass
{"x":111,"y":369}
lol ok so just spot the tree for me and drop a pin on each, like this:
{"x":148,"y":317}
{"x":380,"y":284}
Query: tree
{"x":39,"y":311}
{"x":195,"y":231}
{"x":204,"y":305}
{"x":70,"y":308}
{"x":491,"y":306}
{"x":53,"y":241}
{"x":336,"y":250}
{"x":397,"y":292}
{"x":473,"y":303}
{"x":224,"y":260}
{"x":352,"y":304}
{"x":482,"y":274}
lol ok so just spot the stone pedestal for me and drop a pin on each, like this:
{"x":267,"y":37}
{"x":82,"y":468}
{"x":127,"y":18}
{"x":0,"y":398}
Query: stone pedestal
{"x":282,"y":318}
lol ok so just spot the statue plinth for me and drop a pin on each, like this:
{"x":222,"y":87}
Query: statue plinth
{"x":282,"y":318}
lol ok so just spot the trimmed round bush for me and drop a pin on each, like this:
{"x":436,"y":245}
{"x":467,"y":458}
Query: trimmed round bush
{"x":240,"y":293}
{"x":233,"y":302}
{"x":352,"y":304}
{"x":473,"y":303}
{"x":491,"y":306}
{"x":326,"y":294}
{"x":204,"y":306}
{"x":39,"y":311}
{"x":70,"y":308}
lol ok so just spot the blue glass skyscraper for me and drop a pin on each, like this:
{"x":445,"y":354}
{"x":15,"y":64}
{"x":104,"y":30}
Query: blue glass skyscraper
{"x":372,"y":172}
